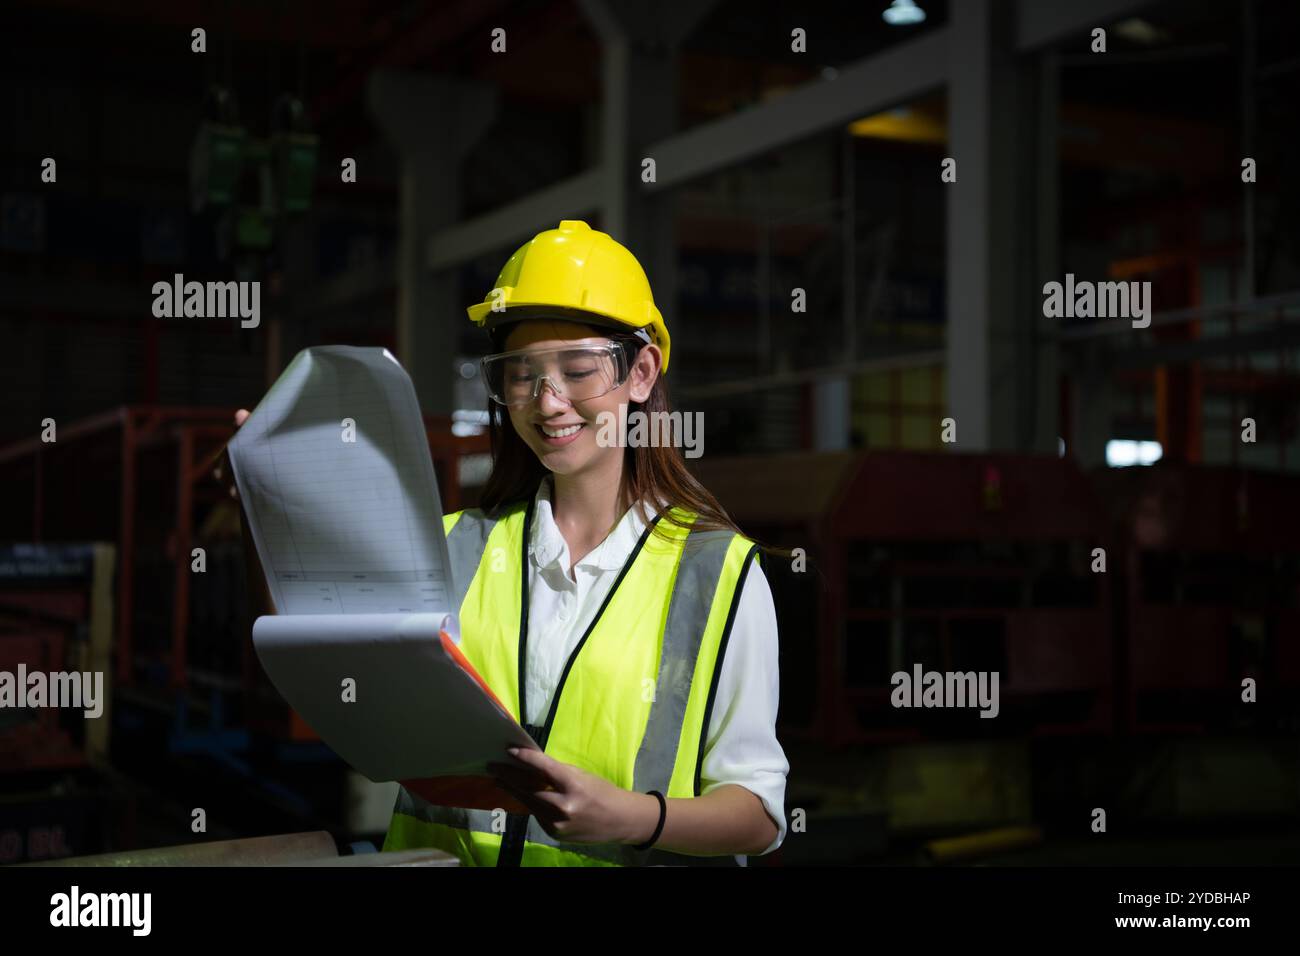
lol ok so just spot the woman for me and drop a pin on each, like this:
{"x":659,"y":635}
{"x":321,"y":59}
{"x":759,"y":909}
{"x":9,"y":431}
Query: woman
{"x":605,"y":596}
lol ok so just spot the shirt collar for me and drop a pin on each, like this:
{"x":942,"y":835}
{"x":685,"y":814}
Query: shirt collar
{"x":547,"y":545}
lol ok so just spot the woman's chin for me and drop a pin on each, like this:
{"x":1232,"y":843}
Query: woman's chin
{"x":561,"y":461}
{"x":569,"y":460}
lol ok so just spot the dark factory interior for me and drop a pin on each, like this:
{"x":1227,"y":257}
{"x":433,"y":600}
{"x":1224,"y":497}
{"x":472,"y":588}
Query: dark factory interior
{"x":853,"y":221}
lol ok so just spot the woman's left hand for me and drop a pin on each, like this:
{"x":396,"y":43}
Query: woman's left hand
{"x":571,"y":804}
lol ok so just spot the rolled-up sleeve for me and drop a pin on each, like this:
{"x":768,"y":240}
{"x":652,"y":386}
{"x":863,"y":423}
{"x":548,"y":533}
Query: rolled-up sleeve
{"x":742,"y":747}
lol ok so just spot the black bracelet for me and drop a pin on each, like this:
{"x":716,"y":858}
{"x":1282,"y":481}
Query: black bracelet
{"x":663,"y":813}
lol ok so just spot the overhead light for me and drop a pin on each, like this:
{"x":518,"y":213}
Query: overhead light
{"x":468,"y":421}
{"x":1123,"y":453}
{"x":903,"y":13}
{"x":1137,"y":30}
{"x":904,"y":125}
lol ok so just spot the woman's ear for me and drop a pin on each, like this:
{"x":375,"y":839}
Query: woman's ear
{"x":644,"y":372}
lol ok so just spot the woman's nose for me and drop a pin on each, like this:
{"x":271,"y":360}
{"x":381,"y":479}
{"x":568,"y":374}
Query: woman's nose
{"x":548,"y":397}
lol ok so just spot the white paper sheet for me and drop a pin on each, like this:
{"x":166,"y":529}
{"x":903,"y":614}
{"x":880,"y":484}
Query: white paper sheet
{"x":343,"y":527}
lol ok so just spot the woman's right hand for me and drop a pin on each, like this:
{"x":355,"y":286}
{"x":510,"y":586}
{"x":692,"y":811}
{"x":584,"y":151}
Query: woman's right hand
{"x":220,"y":472}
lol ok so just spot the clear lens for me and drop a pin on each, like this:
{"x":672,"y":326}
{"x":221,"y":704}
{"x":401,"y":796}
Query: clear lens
{"x":576,"y":373}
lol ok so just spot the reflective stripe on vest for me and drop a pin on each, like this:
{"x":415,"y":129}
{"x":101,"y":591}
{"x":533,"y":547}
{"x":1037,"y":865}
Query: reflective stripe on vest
{"x":466,"y":540}
{"x":650,"y":737}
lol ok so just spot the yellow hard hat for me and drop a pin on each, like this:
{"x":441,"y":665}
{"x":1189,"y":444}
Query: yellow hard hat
{"x":577,"y":273}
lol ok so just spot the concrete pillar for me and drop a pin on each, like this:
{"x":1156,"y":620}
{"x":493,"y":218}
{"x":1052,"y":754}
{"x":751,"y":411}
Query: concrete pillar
{"x":832,"y":398}
{"x":639,"y":44}
{"x":1001,"y":242}
{"x":298,"y":252}
{"x":1042,"y":426}
{"x":432,"y":122}
{"x":832,"y":418}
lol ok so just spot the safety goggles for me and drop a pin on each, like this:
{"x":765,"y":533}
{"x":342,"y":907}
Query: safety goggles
{"x":575,"y":373}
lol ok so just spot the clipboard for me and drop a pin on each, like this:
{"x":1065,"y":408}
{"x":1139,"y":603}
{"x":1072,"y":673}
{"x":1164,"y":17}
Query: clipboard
{"x":395,"y":702}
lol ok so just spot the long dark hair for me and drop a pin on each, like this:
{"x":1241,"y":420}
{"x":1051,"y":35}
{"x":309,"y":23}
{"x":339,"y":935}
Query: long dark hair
{"x":650,"y":473}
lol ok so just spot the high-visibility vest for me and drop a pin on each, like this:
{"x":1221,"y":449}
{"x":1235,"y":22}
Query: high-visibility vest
{"x":635,"y":697}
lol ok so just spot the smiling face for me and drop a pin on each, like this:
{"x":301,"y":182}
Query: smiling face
{"x":561,"y":433}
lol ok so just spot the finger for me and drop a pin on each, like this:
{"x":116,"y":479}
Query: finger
{"x":524,"y":798}
{"x":241,"y":416}
{"x":548,"y":766}
{"x":543,"y":805}
{"x":533,"y":802}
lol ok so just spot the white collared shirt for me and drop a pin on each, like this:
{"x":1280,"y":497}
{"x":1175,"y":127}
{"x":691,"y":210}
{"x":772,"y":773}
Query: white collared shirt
{"x":741,"y":747}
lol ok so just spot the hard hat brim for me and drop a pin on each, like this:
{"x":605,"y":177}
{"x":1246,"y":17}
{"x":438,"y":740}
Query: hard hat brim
{"x":490,"y":319}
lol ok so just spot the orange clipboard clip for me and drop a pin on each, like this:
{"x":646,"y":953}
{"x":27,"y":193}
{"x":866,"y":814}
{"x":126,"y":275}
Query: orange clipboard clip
{"x":472,"y":791}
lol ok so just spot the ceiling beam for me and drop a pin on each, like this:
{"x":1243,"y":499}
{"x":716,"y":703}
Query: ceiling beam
{"x":517,"y":221}
{"x":1040,"y":23}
